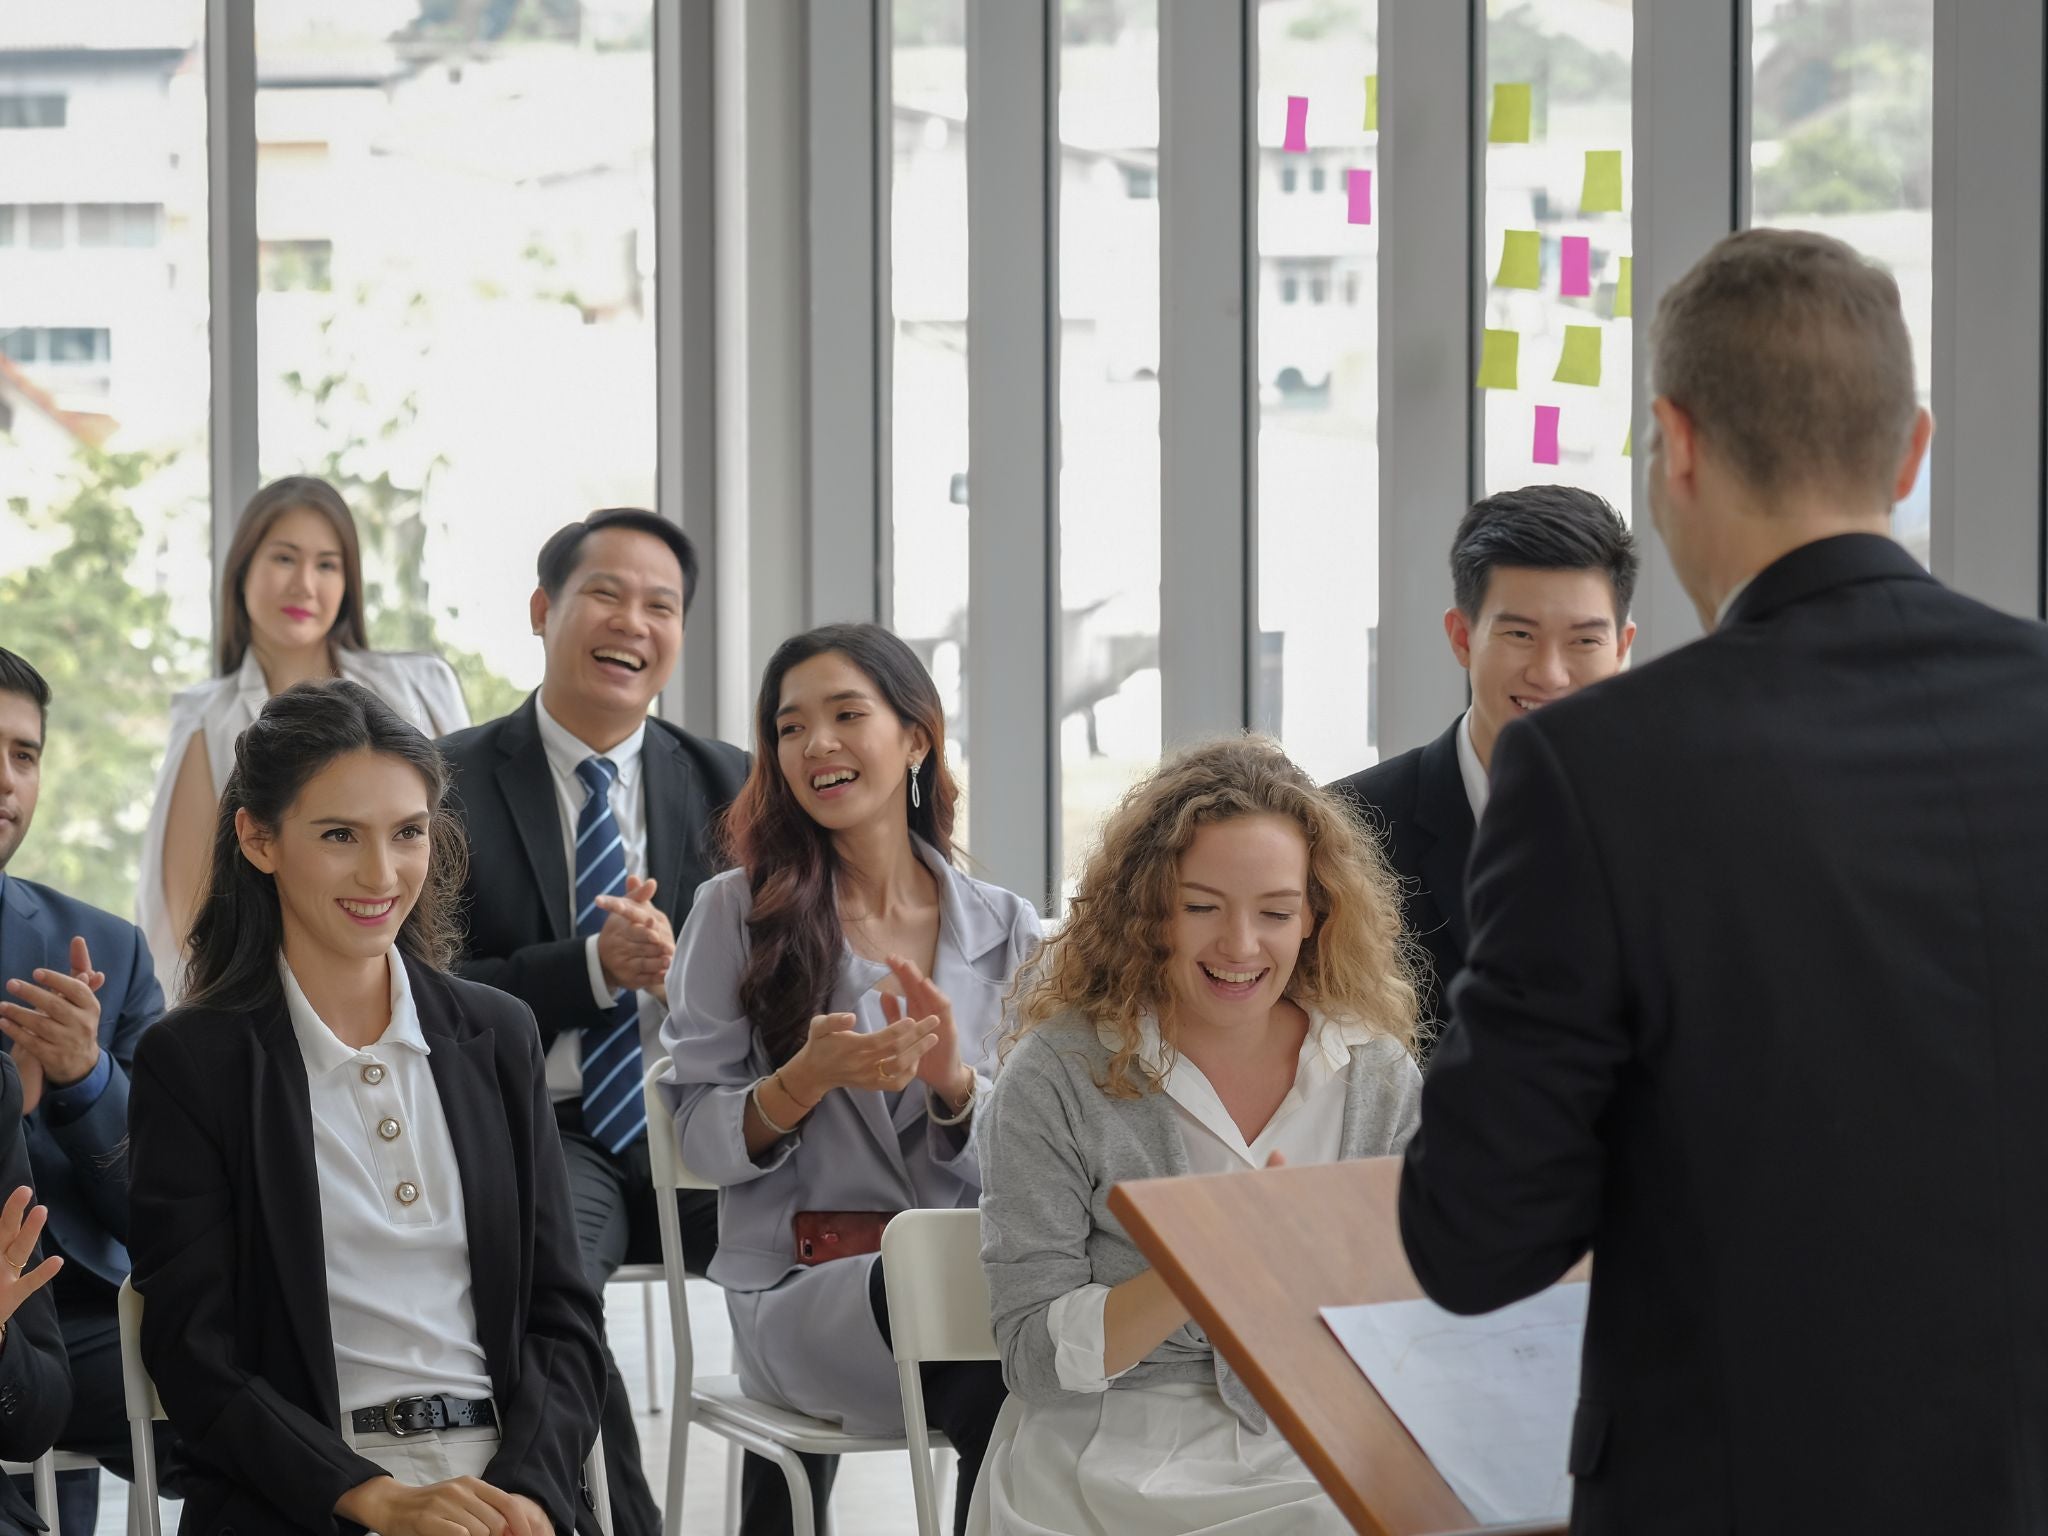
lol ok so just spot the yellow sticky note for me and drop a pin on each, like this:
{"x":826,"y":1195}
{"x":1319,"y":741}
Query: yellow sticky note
{"x":1580,"y":363}
{"x":1499,"y":355}
{"x":1372,"y":103}
{"x":1625,"y":289}
{"x":1521,"y":260}
{"x":1510,"y":115}
{"x":1628,"y":442}
{"x":1602,"y":191}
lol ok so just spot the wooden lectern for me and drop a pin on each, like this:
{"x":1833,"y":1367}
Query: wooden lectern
{"x":1254,"y":1257}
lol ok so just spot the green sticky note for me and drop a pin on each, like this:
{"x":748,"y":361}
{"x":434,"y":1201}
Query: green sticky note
{"x":1372,"y":103}
{"x":1521,"y":260}
{"x":1580,"y":363}
{"x":1499,"y":355}
{"x":1625,"y":289}
{"x":1628,"y":442}
{"x":1510,"y":115}
{"x":1602,"y":191}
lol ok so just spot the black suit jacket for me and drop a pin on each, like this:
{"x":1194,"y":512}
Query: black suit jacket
{"x":522,"y":936}
{"x":226,"y":1235}
{"x":35,"y":1377}
{"x":1754,"y":1009}
{"x":1417,"y":803}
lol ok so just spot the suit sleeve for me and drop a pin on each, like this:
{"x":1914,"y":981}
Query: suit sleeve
{"x":96,"y":1143}
{"x":1501,"y":1190}
{"x":550,"y":1420}
{"x":35,"y":1376}
{"x":182,"y":1235}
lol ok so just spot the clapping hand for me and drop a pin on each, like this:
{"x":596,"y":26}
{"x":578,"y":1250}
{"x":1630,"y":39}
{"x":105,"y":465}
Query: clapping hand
{"x":839,"y":1055}
{"x":55,"y":1027}
{"x":636,"y":944}
{"x":18,"y":1234}
{"x":941,"y":1067}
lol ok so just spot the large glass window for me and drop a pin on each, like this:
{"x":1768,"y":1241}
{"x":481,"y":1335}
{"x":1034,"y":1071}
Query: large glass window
{"x":457,"y":203}
{"x":105,"y":578}
{"x":928,"y":366}
{"x":1107,"y":687}
{"x":1318,"y":382}
{"x":1842,"y":142}
{"x":1556,"y":368}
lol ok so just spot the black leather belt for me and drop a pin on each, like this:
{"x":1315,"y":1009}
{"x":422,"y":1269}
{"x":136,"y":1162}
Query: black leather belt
{"x":417,"y":1415}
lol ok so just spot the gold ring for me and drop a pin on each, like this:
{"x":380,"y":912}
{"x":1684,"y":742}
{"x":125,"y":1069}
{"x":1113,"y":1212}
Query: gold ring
{"x":17,"y":1268}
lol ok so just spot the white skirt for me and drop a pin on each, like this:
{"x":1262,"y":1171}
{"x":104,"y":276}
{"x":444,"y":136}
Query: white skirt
{"x":431,"y":1456}
{"x":1168,"y":1460}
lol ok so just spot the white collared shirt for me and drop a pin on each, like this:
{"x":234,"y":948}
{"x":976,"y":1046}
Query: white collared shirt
{"x":1308,"y":1127}
{"x":1470,"y":769}
{"x":565,"y":751}
{"x":1721,"y":613}
{"x":391,"y":1212}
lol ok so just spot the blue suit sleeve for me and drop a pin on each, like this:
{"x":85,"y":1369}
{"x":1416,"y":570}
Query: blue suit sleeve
{"x":92,"y":1131}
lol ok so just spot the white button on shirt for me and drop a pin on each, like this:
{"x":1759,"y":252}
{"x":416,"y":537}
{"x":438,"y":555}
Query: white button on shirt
{"x":629,"y":809}
{"x":391,"y":1211}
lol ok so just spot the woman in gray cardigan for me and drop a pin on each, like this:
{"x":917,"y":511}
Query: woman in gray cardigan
{"x":833,"y":1000}
{"x":1230,"y":991}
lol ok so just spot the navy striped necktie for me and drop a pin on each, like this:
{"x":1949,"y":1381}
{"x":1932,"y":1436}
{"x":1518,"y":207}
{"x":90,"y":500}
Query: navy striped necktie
{"x":614,"y":1114}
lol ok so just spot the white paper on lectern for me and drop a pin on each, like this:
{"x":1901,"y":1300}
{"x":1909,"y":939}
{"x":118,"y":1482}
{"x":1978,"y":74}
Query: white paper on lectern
{"x":1489,"y":1399}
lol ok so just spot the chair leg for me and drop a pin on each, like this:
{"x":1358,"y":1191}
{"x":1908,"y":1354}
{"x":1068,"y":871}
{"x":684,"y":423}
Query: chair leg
{"x":653,"y":1360}
{"x":733,"y":1458}
{"x":678,"y":1464}
{"x":803,"y":1518}
{"x":44,"y":1470}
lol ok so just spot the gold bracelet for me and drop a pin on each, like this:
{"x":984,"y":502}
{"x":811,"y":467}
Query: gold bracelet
{"x":935,"y":1102}
{"x":766,"y":1118}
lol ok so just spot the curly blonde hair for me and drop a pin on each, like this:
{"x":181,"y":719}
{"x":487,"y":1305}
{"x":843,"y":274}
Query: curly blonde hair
{"x":1108,"y":961}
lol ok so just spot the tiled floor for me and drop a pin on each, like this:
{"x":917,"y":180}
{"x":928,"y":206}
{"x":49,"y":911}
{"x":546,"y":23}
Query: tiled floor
{"x":872,"y":1497}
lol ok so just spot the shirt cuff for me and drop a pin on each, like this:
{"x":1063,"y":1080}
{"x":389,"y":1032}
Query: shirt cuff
{"x":64,"y":1105}
{"x":1075,"y":1323}
{"x":602,"y":995}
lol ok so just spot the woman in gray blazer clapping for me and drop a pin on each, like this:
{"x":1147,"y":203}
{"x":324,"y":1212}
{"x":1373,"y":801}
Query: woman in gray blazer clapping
{"x":834,"y":999}
{"x":1230,"y":991}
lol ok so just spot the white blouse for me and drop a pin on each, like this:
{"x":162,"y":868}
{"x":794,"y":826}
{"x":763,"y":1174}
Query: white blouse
{"x":422,"y":689}
{"x":1168,"y":1460}
{"x":391,"y":1211}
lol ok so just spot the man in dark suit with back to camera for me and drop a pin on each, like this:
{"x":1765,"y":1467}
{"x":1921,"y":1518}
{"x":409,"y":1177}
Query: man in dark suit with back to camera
{"x":80,"y":990}
{"x":590,"y":829}
{"x":1541,"y":582}
{"x":1754,"y":1004}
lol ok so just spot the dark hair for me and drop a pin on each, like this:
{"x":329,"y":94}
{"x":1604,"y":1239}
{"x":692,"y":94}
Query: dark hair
{"x":558,"y":556}
{"x":265,"y":508}
{"x":791,"y":865}
{"x":239,"y":928}
{"x":1790,"y":353}
{"x":1542,"y":528}
{"x":17,"y":676}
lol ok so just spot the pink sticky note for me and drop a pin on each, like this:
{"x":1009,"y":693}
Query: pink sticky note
{"x":1360,"y":185}
{"x":1297,"y":125}
{"x":1578,"y":267}
{"x":1546,"y":434}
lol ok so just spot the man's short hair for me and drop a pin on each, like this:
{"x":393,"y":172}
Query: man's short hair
{"x":17,"y":676}
{"x":558,"y":556}
{"x":1789,"y":352}
{"x":1542,"y":528}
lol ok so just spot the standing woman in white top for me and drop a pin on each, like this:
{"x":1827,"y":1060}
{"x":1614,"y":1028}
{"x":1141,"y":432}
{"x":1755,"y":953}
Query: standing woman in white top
{"x":1230,"y":990}
{"x":291,"y":610}
{"x":350,"y":1214}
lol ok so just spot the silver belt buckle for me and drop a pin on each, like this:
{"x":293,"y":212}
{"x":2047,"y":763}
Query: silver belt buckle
{"x":392,"y":1410}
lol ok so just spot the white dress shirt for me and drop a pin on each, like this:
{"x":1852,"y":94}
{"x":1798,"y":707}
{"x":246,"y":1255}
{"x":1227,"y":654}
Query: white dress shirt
{"x":1470,"y":769}
{"x":565,"y":751}
{"x":1170,"y":1459}
{"x":391,"y":1212}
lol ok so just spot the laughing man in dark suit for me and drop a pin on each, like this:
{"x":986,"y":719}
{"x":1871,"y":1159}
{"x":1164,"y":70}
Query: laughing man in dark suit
{"x":590,"y":830}
{"x":1541,"y":579}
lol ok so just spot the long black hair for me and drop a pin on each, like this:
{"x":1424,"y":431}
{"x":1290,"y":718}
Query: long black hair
{"x":792,"y":866}
{"x":232,"y":952}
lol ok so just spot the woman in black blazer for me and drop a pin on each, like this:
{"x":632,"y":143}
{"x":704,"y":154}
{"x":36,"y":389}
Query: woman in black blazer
{"x":35,"y":1380}
{"x":350,"y":1219}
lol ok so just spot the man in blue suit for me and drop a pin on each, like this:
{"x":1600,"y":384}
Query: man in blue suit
{"x":79,"y":991}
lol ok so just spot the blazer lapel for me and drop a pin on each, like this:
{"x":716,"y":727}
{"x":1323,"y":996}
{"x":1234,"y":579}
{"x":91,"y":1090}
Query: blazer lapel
{"x":675,"y":820}
{"x":529,"y":790}
{"x":288,"y":1193}
{"x":23,"y":945}
{"x":465,"y":1077}
{"x":1443,"y":810}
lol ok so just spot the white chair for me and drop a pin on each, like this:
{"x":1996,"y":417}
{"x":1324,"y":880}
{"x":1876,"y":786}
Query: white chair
{"x":650,"y":1278}
{"x":938,"y":1310}
{"x":44,"y":1470}
{"x":716,"y":1403}
{"x":144,"y":1406}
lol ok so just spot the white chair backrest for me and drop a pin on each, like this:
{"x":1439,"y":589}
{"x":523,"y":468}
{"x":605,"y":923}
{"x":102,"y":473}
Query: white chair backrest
{"x":664,"y":1156}
{"x":938,"y":1295}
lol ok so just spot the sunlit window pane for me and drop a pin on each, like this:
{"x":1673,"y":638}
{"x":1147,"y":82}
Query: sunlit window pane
{"x":105,"y":577}
{"x":1842,"y":142}
{"x":1108,"y":640}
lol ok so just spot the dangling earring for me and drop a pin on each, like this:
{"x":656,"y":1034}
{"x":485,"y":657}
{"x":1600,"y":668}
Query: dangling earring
{"x":916,"y":799}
